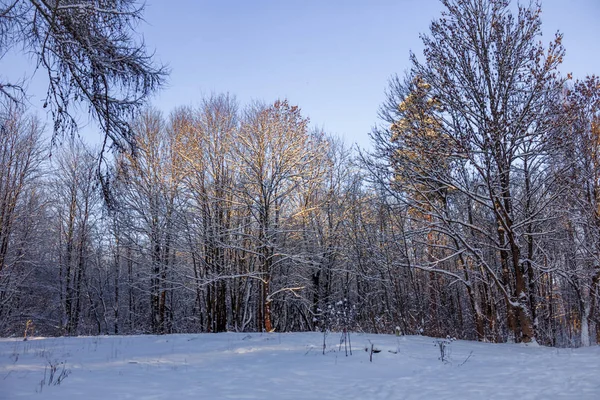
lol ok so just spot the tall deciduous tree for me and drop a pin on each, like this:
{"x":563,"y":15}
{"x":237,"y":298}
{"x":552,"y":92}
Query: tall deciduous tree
{"x":580,"y":156}
{"x":277,"y":156}
{"x":148,"y":190}
{"x":478,"y":116}
{"x":206,"y":137}
{"x":75,"y":205}
{"x":20,"y":160}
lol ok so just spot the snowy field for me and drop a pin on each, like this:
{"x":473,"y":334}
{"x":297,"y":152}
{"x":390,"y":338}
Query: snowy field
{"x":290,"y":366}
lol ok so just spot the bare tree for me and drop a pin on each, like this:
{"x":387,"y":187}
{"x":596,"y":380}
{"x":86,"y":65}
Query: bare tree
{"x":147,"y":193}
{"x":276,"y":157}
{"x":204,"y":141}
{"x":579,"y":158}
{"x":20,"y":159}
{"x":468,"y":138}
{"x":76,"y":201}
{"x":91,"y":56}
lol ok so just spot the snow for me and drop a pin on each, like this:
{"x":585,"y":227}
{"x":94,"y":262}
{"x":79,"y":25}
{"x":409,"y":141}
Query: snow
{"x":291,"y":366}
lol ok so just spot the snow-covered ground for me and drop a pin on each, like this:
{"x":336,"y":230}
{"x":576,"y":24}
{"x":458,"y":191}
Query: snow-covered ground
{"x":290,"y":366}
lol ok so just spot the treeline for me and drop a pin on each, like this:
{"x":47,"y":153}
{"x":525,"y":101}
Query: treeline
{"x":223,"y":219}
{"x":476,"y":214}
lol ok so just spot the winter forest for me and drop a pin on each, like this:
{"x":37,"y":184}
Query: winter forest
{"x":475,"y":213}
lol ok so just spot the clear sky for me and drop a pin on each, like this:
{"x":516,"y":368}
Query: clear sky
{"x":330,"y":57}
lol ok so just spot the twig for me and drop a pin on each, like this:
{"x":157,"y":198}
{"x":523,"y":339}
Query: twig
{"x":466,"y":359}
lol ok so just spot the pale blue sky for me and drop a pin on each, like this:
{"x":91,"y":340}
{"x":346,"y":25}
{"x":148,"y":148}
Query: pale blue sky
{"x":330,"y":57}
